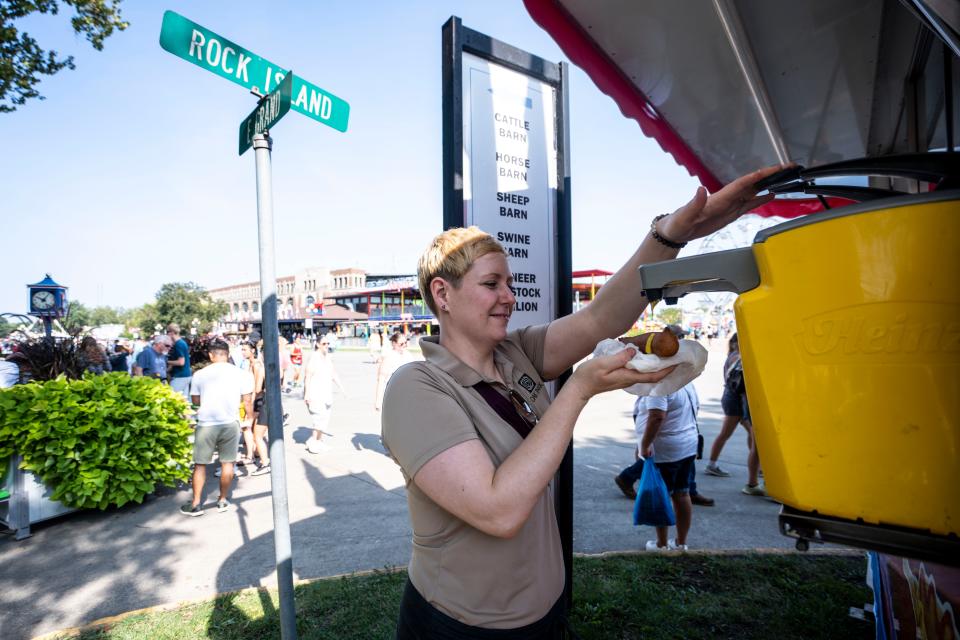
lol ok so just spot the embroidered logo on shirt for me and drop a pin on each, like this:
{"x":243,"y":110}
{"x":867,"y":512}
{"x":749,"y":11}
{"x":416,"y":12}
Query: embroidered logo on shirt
{"x":527,"y":383}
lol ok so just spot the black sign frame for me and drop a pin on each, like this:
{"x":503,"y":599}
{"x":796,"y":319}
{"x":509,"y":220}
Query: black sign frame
{"x":458,"y":39}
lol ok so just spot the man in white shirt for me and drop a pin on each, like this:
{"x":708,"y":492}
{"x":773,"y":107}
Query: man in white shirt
{"x":667,"y":432}
{"x":218,"y":390}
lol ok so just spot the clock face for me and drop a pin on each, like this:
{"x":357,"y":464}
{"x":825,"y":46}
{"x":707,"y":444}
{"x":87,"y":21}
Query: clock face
{"x":43,"y":300}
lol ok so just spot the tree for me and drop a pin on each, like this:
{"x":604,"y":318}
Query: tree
{"x":22,"y":60}
{"x":670,"y":315}
{"x":80,"y":317}
{"x":6,"y":327}
{"x":181,"y":302}
{"x":77,"y":318}
{"x":138,"y":317}
{"x":100,"y":316}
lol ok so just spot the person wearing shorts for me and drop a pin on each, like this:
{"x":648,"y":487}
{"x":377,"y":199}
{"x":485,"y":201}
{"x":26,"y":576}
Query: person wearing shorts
{"x":251,"y":363}
{"x":217,"y":390}
{"x":318,"y":384}
{"x":630,"y":475}
{"x":736,"y":411}
{"x":296,"y":364}
{"x":667,"y":433}
{"x":261,"y":425}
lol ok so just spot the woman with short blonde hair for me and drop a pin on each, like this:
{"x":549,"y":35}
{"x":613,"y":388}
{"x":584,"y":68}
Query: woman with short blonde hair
{"x":479,"y":440}
{"x":450,"y":256}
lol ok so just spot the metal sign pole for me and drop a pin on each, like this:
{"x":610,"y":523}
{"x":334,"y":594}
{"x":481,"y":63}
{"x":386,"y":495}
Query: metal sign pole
{"x":262,"y":145}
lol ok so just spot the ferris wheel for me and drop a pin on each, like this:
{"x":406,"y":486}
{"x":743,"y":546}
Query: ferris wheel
{"x":739,"y":233}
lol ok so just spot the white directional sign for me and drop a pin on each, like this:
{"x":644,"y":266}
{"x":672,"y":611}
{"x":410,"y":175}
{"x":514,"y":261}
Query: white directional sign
{"x":510,"y":177}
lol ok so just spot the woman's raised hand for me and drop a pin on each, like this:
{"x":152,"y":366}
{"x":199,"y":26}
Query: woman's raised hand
{"x":606,"y":373}
{"x":705,"y":214}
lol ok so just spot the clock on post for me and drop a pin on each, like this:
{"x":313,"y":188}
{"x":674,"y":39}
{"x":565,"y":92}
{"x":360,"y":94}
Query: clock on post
{"x":47,"y":300}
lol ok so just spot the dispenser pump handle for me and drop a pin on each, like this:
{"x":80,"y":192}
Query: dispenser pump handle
{"x":733,"y":270}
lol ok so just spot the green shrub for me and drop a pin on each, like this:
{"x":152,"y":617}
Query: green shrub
{"x":97,"y":441}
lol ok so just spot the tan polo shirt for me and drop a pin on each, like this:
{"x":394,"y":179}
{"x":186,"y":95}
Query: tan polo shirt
{"x":431,"y":406}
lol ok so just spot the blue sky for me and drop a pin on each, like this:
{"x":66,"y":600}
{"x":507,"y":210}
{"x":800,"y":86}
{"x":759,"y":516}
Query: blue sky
{"x":127,"y":175}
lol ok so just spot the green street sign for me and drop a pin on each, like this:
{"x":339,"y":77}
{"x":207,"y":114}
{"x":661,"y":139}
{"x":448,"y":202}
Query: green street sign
{"x":273,"y":107}
{"x":204,"y":48}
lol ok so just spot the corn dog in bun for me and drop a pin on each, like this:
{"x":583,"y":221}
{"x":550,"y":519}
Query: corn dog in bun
{"x":659,"y":343}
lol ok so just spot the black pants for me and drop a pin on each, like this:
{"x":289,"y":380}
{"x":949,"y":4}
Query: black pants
{"x":419,"y":620}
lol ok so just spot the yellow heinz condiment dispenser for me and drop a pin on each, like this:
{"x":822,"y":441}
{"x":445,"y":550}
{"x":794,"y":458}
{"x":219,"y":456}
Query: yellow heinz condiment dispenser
{"x":849,"y":324}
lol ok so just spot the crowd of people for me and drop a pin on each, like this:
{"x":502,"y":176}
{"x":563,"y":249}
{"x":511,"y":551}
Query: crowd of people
{"x":167,"y":357}
{"x":666,"y":427}
{"x":236,"y":378}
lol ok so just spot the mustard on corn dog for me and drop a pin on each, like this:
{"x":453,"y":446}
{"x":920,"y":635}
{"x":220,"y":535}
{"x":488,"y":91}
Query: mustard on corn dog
{"x":659,"y":343}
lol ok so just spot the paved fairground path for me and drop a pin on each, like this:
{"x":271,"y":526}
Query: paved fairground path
{"x":348,"y":513}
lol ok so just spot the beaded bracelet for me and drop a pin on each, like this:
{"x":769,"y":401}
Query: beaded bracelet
{"x":659,"y":238}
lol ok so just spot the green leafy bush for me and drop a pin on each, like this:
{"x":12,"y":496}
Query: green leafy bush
{"x":97,"y":441}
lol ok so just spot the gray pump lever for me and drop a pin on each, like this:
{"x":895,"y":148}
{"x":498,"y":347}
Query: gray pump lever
{"x":732,"y":270}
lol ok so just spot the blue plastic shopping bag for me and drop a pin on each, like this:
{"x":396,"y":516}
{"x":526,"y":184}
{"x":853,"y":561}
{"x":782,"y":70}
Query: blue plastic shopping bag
{"x":652,"y":506}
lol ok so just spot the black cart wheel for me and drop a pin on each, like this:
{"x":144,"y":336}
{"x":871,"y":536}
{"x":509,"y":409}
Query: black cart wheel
{"x":803,"y":545}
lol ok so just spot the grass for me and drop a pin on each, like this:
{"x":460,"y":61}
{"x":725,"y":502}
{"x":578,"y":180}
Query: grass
{"x":615,"y":597}
{"x":710,"y":596}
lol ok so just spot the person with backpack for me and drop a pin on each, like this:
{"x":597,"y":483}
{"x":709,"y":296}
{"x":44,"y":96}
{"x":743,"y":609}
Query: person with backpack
{"x":735,"y":411}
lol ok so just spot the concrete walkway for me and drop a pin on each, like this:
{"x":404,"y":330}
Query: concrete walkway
{"x":348,"y":512}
